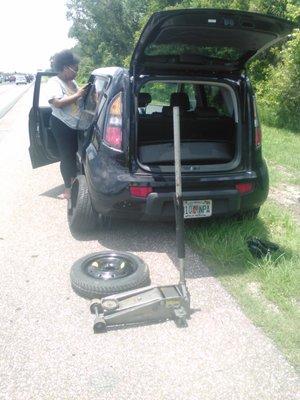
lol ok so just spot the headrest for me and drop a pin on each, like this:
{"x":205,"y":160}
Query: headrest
{"x":181,"y":100}
{"x":144,"y":99}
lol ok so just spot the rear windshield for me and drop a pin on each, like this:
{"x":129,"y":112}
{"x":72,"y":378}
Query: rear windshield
{"x":229,"y":54}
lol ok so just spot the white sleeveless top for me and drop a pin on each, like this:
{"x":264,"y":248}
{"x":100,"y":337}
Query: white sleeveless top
{"x":57,"y":89}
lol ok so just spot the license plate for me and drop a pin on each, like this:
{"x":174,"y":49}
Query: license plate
{"x":197,"y":208}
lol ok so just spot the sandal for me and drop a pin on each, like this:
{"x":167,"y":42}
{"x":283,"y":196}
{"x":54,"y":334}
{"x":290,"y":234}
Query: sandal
{"x":66,"y":195}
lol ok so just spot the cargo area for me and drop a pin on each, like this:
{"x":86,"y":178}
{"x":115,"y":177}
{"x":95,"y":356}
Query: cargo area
{"x":208,"y":123}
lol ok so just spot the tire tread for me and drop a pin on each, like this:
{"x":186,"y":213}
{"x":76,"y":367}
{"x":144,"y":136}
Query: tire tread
{"x":83,"y":218}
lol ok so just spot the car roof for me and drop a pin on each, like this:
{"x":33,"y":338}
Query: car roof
{"x":110,"y":71}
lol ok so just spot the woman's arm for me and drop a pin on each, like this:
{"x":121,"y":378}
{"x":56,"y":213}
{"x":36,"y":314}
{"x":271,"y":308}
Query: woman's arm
{"x":66,"y":101}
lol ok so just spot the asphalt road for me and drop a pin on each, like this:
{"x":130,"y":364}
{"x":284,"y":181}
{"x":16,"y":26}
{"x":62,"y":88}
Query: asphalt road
{"x":9,"y":94}
{"x":47,"y":347}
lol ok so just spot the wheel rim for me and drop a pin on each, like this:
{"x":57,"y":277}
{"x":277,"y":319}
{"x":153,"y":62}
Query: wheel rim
{"x":108,"y":267}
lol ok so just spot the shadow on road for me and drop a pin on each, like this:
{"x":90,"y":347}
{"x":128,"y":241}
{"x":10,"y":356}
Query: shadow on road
{"x":53,"y":193}
{"x":160,"y":237}
{"x":140,"y":236}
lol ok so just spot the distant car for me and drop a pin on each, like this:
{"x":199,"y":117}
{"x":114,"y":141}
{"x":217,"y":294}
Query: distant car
{"x":20,"y":80}
{"x":29,"y":78}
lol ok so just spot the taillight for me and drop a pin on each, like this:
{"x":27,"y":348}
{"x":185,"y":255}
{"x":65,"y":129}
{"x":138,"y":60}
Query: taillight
{"x":257,"y":128}
{"x":140,"y":191}
{"x":113,"y":130}
{"x":258,"y":136}
{"x":243,"y":188}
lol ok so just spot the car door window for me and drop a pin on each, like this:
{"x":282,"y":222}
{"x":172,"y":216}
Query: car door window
{"x":92,"y":102}
{"x":219,"y":98}
{"x":43,"y":96}
{"x":95,"y":94}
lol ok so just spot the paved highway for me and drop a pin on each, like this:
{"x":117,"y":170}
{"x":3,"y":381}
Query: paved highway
{"x":48,"y":350}
{"x":9,"y":94}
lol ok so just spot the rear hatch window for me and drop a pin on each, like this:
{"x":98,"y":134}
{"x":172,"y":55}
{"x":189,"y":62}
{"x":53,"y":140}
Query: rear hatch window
{"x":205,"y":40}
{"x":208,"y":124}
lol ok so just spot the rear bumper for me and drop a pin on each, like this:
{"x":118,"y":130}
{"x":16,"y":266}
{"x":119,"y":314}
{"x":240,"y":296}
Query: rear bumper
{"x":159,"y":205}
{"x":224,"y":202}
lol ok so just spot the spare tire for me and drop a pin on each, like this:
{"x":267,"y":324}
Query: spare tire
{"x":82,"y":218}
{"x":108,"y":272}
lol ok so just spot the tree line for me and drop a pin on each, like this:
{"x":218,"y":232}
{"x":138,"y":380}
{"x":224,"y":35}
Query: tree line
{"x":107,"y":31}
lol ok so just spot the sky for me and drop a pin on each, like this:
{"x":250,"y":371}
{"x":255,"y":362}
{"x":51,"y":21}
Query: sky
{"x":31,"y":31}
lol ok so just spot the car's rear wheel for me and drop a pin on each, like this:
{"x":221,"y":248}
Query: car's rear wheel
{"x":108,"y":272}
{"x":82,"y":218}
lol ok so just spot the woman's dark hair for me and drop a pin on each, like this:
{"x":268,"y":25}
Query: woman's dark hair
{"x":63,"y":59}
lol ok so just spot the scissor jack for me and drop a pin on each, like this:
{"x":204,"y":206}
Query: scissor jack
{"x":152,"y":304}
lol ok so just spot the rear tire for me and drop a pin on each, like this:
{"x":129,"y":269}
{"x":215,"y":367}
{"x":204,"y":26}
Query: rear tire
{"x":82,"y":218}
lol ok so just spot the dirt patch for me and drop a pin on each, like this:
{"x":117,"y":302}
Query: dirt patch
{"x":288,"y":196}
{"x":254,"y":288}
{"x":282,"y":169}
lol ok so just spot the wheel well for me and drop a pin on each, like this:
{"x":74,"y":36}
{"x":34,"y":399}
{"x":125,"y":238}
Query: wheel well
{"x":79,"y":165}
{"x":74,"y":195}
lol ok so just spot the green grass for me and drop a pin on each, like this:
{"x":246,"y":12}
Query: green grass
{"x":281,"y":149}
{"x":273,"y":304}
{"x":268,"y":288}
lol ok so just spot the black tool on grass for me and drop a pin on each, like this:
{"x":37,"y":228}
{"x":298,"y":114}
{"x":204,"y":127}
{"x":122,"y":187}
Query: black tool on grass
{"x":261,"y":248}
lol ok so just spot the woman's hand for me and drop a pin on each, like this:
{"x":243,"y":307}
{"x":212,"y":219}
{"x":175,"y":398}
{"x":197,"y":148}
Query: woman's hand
{"x":82,"y":91}
{"x":66,"y":101}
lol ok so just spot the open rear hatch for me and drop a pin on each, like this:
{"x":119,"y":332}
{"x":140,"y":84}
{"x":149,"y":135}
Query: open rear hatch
{"x":204,"y":40}
{"x":180,"y":46}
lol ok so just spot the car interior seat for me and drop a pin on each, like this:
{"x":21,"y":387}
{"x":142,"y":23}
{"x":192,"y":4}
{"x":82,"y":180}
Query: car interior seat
{"x":207,"y":112}
{"x":179,"y":99}
{"x":144,"y":99}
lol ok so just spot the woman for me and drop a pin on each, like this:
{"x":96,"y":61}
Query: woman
{"x":64,"y":97}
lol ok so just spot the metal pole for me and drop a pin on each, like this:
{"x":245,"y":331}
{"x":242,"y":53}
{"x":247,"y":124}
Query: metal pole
{"x":178,"y":202}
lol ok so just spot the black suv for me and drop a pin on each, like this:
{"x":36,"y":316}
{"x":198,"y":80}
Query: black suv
{"x":194,"y":59}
